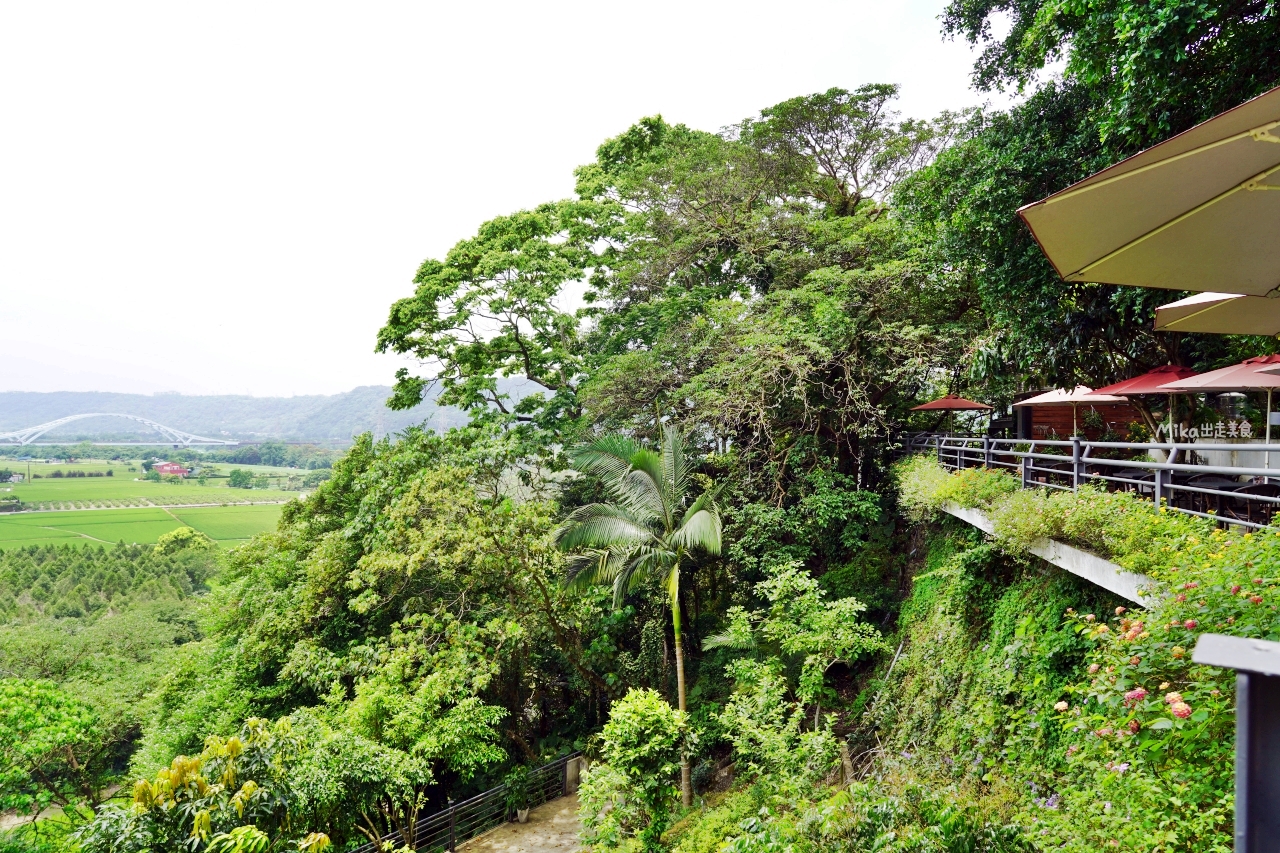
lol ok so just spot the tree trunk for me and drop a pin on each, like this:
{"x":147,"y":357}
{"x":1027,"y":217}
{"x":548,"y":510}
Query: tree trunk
{"x":686,"y":775}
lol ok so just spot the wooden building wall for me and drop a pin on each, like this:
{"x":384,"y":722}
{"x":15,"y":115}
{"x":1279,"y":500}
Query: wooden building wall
{"x":1055,"y":421}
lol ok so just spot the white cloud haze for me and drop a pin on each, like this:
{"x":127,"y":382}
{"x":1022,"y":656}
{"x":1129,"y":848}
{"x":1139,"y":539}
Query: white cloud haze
{"x":226,"y":198}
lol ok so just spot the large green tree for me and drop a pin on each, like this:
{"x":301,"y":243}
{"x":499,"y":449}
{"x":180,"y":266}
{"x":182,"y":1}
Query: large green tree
{"x":1135,"y":73}
{"x":1156,"y":67}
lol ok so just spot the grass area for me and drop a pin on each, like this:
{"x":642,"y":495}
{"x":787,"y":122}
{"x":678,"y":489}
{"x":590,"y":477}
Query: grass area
{"x":125,"y":488}
{"x":227,"y":525}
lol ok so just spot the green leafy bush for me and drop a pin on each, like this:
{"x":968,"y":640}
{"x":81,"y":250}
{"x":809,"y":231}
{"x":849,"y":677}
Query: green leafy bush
{"x":768,"y":730}
{"x":641,"y":747}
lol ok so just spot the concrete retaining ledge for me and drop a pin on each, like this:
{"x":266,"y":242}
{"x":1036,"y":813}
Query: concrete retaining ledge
{"x":1091,"y":567}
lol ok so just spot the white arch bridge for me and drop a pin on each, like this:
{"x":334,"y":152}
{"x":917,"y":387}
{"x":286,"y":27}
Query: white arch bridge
{"x":176,"y":437}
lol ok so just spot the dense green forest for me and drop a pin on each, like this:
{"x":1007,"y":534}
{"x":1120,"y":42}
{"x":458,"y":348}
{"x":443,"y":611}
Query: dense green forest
{"x":690,"y":553}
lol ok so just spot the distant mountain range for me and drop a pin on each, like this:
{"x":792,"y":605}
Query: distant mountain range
{"x":333,"y":418}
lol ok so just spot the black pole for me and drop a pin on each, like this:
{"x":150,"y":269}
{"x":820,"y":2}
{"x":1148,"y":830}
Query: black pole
{"x":1257,"y":666}
{"x":453,"y":821}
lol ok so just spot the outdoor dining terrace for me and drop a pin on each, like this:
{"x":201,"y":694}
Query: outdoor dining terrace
{"x":1176,"y":475}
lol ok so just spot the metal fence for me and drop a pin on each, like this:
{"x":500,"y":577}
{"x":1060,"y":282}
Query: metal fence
{"x":1242,"y":496}
{"x":461,"y":822}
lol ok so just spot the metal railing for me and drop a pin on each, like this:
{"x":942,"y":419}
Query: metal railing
{"x":1243,"y":496}
{"x":463,"y":821}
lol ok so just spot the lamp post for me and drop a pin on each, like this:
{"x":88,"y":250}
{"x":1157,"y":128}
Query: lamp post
{"x":1257,"y":666}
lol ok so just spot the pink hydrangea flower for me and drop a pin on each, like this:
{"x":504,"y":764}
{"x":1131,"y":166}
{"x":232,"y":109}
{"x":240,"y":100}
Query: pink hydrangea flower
{"x":1093,"y":667}
{"x":1061,"y":706}
{"x":1190,"y":624}
{"x":1134,"y":696}
{"x":1181,"y":710}
{"x":1134,"y":726}
{"x":1172,"y":697}
{"x":1235,"y":590}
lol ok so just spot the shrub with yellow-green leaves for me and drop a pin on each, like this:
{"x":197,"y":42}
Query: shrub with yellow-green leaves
{"x":263,"y":790}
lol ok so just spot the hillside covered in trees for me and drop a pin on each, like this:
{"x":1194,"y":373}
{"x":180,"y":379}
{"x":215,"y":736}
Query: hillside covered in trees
{"x":333,"y":418}
{"x":691,"y":552}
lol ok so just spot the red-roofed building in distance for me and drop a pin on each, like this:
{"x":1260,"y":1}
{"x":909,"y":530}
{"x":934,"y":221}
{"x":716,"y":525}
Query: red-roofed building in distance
{"x":166,"y":469}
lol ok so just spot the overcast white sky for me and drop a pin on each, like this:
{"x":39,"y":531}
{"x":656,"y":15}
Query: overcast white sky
{"x":226,"y":197}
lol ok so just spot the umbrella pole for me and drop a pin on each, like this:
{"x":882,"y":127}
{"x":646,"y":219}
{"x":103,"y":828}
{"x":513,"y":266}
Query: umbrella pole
{"x":1170,"y":435}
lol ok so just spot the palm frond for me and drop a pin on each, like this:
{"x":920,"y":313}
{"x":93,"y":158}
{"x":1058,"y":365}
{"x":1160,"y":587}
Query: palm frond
{"x":640,"y":491}
{"x":643,"y":561}
{"x":600,"y":526}
{"x":706,"y":500}
{"x":595,"y":567}
{"x":674,"y":465}
{"x":608,"y":457}
{"x":701,"y":529}
{"x":729,"y":640}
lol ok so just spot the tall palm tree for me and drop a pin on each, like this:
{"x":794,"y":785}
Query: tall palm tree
{"x":649,"y":530}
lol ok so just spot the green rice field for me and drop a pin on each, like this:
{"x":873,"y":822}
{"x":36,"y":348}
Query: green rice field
{"x":125,"y":488}
{"x":228,"y":525}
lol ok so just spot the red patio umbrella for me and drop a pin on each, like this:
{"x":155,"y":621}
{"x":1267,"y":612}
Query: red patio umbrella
{"x":1150,"y":383}
{"x":950,"y":403}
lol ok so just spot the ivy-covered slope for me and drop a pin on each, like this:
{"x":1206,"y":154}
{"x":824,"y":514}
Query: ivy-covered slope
{"x":1021,"y":707}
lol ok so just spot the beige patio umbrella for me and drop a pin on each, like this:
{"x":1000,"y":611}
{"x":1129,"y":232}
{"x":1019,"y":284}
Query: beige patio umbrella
{"x":1220,"y":314}
{"x":1192,"y":213}
{"x":1073,"y":398}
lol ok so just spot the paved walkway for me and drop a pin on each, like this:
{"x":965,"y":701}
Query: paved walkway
{"x":552,"y":828}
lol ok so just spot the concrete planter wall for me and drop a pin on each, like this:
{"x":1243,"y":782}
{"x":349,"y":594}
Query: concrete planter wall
{"x":1091,"y":567}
